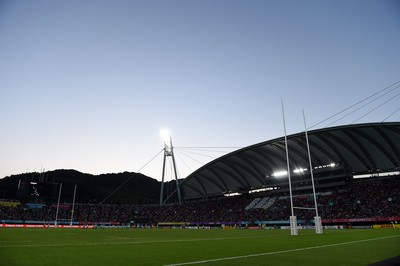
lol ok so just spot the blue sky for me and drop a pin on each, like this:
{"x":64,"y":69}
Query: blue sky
{"x":88,"y":85}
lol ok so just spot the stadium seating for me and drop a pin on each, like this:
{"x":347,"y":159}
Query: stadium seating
{"x":359,"y":199}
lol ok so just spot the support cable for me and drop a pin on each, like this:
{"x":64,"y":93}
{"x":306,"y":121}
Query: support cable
{"x":183,"y":162}
{"x":208,"y":147}
{"x":196,"y":153}
{"x":376,"y":108}
{"x":363,"y":106}
{"x":129,"y":178}
{"x":344,"y":110}
{"x":192,"y":158}
{"x":390,"y":115}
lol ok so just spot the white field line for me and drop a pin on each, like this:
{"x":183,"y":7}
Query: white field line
{"x":278,"y":252}
{"x":120,"y":238}
{"x":126,"y":242}
{"x":16,"y":241}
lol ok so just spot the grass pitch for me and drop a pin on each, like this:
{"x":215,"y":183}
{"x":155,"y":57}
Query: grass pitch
{"x":33,"y":246}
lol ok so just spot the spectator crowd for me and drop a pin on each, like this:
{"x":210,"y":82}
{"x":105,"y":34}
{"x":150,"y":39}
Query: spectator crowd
{"x":359,"y":199}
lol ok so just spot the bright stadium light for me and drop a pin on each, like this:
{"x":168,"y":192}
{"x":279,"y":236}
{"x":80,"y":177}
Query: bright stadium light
{"x":299,"y":170}
{"x":168,"y":152}
{"x":166,"y":137}
{"x":279,"y":173}
{"x":326,"y":166}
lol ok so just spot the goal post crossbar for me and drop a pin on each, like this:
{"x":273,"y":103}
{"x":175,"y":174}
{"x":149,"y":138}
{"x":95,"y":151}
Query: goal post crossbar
{"x":304,"y":208}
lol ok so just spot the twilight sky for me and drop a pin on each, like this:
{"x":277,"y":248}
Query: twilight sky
{"x":88,"y":84}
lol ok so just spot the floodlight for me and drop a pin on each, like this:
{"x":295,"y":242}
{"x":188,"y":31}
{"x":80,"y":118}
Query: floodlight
{"x":279,"y":173}
{"x":168,"y":152}
{"x":167,"y":141}
{"x":165,"y":135}
{"x":299,"y":170}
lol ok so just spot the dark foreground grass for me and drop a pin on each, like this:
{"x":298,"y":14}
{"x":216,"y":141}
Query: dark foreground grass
{"x":23,"y":246}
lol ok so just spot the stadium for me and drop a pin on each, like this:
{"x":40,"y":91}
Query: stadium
{"x":246,"y":195}
{"x":86,"y":86}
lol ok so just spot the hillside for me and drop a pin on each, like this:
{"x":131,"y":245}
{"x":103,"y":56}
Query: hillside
{"x":135,"y":188}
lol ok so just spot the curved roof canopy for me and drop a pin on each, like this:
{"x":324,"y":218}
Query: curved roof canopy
{"x":347,"y":150}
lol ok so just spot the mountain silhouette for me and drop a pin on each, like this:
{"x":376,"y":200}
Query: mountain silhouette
{"x":118,"y":188}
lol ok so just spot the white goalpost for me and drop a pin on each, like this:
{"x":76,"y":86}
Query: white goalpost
{"x":293,"y":218}
{"x":317,"y":218}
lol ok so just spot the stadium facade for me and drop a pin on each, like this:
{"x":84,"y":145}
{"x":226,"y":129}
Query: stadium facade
{"x":338,"y":154}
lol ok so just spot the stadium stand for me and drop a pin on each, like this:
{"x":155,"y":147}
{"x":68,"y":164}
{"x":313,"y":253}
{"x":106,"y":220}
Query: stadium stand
{"x":360,"y":199}
{"x":355,"y":167}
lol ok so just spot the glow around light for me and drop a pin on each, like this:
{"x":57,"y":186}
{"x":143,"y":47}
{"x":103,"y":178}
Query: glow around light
{"x":165,"y":135}
{"x":299,"y":170}
{"x":232,"y":194}
{"x":279,"y":173}
{"x":167,"y":141}
{"x":376,"y":174}
{"x":325,"y":166}
{"x":262,"y":189}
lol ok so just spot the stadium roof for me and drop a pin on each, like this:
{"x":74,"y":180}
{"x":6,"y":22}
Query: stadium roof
{"x":354,"y":149}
